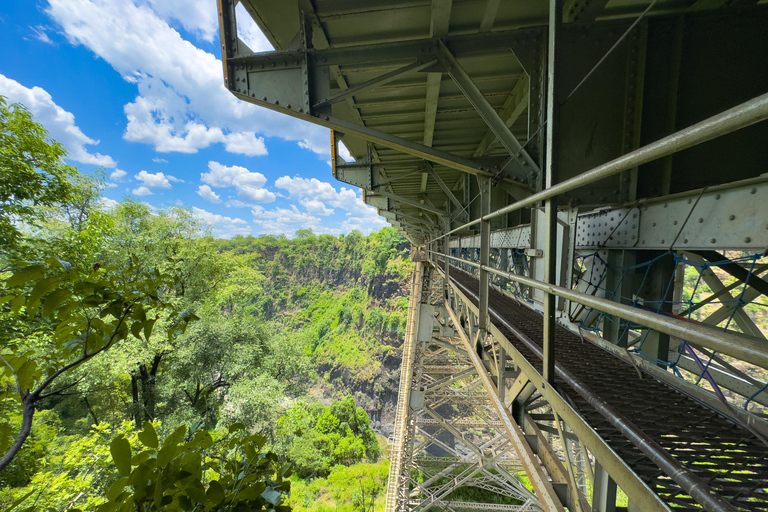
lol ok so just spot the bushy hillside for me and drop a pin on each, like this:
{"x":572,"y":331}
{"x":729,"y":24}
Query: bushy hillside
{"x":347,"y":297}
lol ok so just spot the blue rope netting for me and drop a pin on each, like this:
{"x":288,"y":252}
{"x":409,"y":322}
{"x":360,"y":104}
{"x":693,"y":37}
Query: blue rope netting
{"x":593,"y":282}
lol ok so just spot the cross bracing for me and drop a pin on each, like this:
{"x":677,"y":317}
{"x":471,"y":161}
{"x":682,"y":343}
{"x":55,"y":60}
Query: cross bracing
{"x":600,"y":165}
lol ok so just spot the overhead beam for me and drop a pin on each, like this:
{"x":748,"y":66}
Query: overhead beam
{"x":489,"y":15}
{"x":439,"y":22}
{"x":444,"y":187}
{"x":522,"y":167}
{"x":378,"y":81}
{"x":411,"y":202}
{"x":513,"y":107}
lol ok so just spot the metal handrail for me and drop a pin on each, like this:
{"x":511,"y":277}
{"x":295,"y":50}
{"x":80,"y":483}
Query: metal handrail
{"x":741,"y":116}
{"x":741,"y":347}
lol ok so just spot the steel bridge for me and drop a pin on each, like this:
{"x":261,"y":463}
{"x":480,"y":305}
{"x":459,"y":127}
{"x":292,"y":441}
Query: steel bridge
{"x":584,"y":185}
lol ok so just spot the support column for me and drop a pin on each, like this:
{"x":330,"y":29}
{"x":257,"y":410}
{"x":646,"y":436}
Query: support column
{"x":550,"y":205}
{"x":485,"y":249}
{"x":603,"y":491}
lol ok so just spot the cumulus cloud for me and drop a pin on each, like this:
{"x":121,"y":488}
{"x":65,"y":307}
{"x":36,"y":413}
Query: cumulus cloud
{"x":142,"y":191}
{"x":59,"y":123}
{"x":156,"y":180}
{"x":117,"y":175}
{"x":225,"y":227}
{"x":206,"y":193}
{"x":182,"y":104}
{"x":249,"y":185}
{"x":321,"y":198}
{"x":283,"y":220}
{"x":196,"y":16}
{"x":107,"y":203}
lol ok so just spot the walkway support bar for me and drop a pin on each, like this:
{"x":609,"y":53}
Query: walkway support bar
{"x":740,"y":347}
{"x":741,"y":116}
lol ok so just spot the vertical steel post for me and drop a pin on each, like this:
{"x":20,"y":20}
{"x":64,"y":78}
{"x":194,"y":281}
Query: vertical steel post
{"x":603,"y":491}
{"x":485,"y":250}
{"x":550,"y":205}
{"x":447,"y":281}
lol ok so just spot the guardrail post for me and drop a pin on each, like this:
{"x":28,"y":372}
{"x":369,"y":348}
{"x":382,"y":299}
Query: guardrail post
{"x":550,"y":205}
{"x":485,"y":250}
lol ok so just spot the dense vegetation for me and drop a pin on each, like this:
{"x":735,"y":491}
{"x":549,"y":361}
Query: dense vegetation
{"x":148,"y":366}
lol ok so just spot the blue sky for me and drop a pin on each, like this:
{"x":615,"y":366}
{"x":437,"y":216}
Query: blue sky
{"x":135,"y":87}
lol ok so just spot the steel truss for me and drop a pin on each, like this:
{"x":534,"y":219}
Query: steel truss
{"x":613,"y":145}
{"x":450,"y":436}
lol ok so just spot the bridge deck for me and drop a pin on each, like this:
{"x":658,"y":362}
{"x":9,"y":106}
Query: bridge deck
{"x":730,"y":458}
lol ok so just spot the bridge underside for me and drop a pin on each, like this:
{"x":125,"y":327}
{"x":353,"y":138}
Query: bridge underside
{"x":584,"y":183}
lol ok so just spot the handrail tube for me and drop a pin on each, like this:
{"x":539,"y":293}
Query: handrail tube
{"x":692,"y":484}
{"x":741,"y":116}
{"x":730,"y":344}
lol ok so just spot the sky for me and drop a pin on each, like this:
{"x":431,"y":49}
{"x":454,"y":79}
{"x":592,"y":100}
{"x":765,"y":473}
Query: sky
{"x":135,"y":87}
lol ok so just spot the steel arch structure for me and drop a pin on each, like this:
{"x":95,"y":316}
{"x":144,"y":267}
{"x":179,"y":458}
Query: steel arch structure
{"x":584,"y":183}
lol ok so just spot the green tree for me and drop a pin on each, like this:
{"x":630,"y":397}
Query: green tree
{"x":33,"y":172}
{"x":78,"y":316}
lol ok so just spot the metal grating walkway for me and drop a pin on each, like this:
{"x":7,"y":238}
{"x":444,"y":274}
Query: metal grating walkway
{"x":732,"y":460}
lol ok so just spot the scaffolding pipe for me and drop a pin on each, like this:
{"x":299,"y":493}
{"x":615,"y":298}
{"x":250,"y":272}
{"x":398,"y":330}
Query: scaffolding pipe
{"x":741,"y":116}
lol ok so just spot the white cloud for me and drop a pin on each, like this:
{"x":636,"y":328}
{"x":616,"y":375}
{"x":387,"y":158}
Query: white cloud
{"x":249,"y":185}
{"x":206,"y":193}
{"x":284,"y":220}
{"x":59,"y":123}
{"x":117,"y":175}
{"x":321,"y":198}
{"x":41,"y":34}
{"x":196,"y":16}
{"x":182,"y":104}
{"x":244,"y":143}
{"x":249,"y":32}
{"x":107,"y":203}
{"x":142,"y":191}
{"x":160,"y":160}
{"x":157,"y":180}
{"x":225,"y":227}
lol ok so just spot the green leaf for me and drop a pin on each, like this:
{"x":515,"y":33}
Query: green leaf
{"x":25,"y":274}
{"x":148,"y":436}
{"x":121,"y":454}
{"x":41,"y":288}
{"x":176,"y":437}
{"x":235,"y":427}
{"x":148,"y":328}
{"x":116,"y":488}
{"x":17,"y":303}
{"x":136,"y":329}
{"x":53,"y":300}
{"x":21,"y":500}
{"x":272,"y":496}
{"x":215,"y":493}
{"x":166,"y":454}
{"x":28,"y":374}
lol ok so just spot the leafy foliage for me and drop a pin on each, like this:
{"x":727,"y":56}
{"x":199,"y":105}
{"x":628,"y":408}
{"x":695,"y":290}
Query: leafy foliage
{"x":315,"y":438}
{"x":32,"y":168}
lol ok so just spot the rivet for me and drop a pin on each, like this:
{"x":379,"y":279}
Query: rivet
{"x":731,"y":217}
{"x":674,"y":223}
{"x":753,"y":191}
{"x":689,"y":201}
{"x":713,"y":240}
{"x":701,"y":220}
{"x":665,"y":205}
{"x":685,"y":241}
{"x":717,"y":196}
{"x":654,"y":225}
{"x":662,"y":241}
{"x":747,"y":240}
